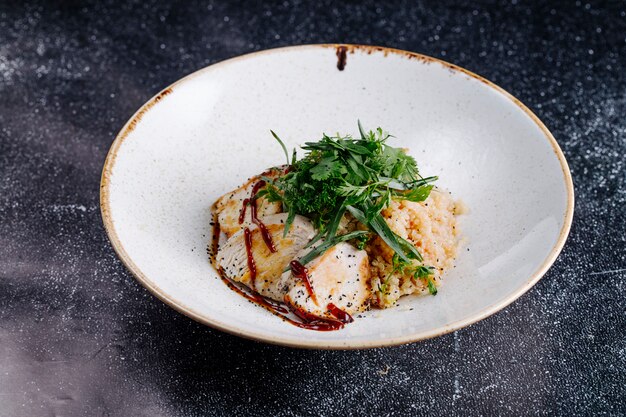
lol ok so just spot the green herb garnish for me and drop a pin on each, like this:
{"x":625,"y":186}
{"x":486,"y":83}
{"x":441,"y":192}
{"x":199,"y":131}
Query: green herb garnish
{"x":415,"y":271}
{"x":340,"y":174}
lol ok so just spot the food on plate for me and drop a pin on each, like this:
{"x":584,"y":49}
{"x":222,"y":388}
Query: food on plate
{"x":352,"y":225}
{"x":247,"y":259}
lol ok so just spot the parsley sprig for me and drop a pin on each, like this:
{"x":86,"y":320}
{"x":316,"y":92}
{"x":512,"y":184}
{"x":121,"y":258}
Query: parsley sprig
{"x":339,"y":175}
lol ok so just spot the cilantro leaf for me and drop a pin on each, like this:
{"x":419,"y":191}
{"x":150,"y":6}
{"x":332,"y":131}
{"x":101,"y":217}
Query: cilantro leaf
{"x":326,"y":168}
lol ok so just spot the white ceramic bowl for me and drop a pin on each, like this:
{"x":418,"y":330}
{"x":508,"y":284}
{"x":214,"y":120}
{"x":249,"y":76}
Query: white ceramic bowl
{"x":207,"y":133}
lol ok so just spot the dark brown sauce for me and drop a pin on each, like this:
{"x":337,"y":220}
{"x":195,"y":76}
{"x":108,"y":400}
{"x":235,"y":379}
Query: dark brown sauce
{"x":319,"y":325}
{"x":309,"y":321}
{"x":267,"y":236}
{"x":242,"y":212}
{"x":257,"y":298}
{"x":341,"y":315}
{"x":251,"y":264}
{"x":299,"y":271}
{"x":341,"y":57}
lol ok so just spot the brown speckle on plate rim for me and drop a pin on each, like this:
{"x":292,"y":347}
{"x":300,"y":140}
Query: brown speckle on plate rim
{"x":341,"y":57}
{"x":130,"y":126}
{"x":337,"y":344}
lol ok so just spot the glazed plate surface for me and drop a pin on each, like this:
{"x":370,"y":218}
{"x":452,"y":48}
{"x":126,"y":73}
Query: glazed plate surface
{"x":207,"y":133}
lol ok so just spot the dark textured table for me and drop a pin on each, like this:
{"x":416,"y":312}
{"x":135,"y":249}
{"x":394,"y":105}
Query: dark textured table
{"x":80,"y":337}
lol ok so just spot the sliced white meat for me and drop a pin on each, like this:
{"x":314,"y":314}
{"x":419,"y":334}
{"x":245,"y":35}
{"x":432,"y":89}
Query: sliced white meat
{"x":232,"y":256}
{"x":228,"y":206}
{"x":340,"y":276}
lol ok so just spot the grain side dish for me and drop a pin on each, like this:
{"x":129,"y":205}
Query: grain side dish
{"x":352,"y":225}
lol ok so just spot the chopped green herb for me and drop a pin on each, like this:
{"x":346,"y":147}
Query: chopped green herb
{"x":340,"y":174}
{"x":409,"y":268}
{"x":432,"y":289}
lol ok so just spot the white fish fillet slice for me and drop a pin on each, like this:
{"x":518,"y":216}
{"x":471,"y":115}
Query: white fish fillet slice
{"x":228,"y":206}
{"x":339,"y":276}
{"x":232,"y":256}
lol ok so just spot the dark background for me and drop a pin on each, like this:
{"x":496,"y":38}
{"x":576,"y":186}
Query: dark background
{"x":80,"y":337}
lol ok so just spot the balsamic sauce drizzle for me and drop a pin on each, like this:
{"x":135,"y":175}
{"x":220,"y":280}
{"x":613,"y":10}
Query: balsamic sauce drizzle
{"x":251,"y":264}
{"x":267,"y":236}
{"x":242,"y":212}
{"x":341,"y":315}
{"x":308,"y":321}
{"x":299,"y":271}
